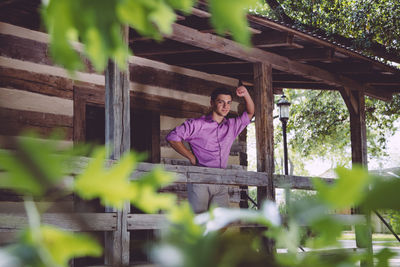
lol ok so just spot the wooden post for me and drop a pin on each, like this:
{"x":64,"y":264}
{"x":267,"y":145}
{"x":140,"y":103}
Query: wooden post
{"x":155,"y":137}
{"x":264,"y":106}
{"x":117,"y":142}
{"x":244,"y":190}
{"x":355,"y":101}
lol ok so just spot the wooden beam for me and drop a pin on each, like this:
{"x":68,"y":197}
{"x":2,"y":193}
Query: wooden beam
{"x":167,"y":47}
{"x":222,"y":45}
{"x":228,"y":70}
{"x":347,"y":67}
{"x":264,"y":104}
{"x":202,"y":175}
{"x":67,"y":221}
{"x":350,"y":100}
{"x":36,"y":82}
{"x":117,"y":134}
{"x":79,"y":117}
{"x":155,"y":137}
{"x":204,"y":14}
{"x":384,"y":94}
{"x":358,"y":130}
{"x":315,"y":39}
{"x":159,"y":221}
{"x":146,"y":221}
{"x":14,"y":122}
{"x":272,"y":39}
{"x":308,"y":54}
{"x":198,"y":58}
{"x":358,"y":135}
{"x":303,"y":85}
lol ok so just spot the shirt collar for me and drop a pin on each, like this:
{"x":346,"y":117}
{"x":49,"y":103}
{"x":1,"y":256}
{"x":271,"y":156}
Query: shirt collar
{"x":210,"y":119}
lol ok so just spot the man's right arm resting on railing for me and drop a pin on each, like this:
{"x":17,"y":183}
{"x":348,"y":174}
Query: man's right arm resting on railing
{"x":183,"y":132}
{"x":181,"y":149}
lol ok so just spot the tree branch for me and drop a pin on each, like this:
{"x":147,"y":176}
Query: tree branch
{"x":279,"y":11}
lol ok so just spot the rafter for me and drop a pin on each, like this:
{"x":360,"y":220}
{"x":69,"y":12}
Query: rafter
{"x":274,"y":39}
{"x":167,"y":47}
{"x":309,"y":54}
{"x":197,"y":59}
{"x":227,"y":47}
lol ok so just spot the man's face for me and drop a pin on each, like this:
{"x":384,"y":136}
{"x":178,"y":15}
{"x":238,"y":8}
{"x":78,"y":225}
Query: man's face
{"x":222,"y":105}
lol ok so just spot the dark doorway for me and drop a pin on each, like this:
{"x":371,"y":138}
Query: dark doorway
{"x":145,"y":130}
{"x":145,"y":137}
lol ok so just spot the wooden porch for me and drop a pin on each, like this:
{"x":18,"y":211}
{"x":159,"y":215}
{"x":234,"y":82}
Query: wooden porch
{"x":172,"y":80}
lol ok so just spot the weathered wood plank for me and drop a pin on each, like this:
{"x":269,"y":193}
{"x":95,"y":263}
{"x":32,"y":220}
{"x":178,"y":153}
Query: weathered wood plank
{"x":150,"y":73}
{"x":24,"y":33}
{"x":46,"y":84}
{"x":14,"y":122}
{"x":196,"y":174}
{"x":155,"y":137}
{"x":49,"y":207}
{"x":28,"y":101}
{"x":15,"y":128}
{"x":146,"y":221}
{"x":159,"y":221}
{"x":67,"y":221}
{"x":79,"y":126}
{"x":24,"y":49}
{"x":165,"y":105}
{"x":264,"y":106}
{"x":173,"y":80}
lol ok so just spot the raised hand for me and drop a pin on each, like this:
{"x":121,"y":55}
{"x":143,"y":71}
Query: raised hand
{"x":241,"y":91}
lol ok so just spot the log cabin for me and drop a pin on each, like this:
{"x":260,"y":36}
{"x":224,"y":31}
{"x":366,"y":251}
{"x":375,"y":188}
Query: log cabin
{"x":165,"y":84}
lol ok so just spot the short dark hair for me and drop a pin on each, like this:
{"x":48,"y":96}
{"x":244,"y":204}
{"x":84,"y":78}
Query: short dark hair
{"x":220,"y":91}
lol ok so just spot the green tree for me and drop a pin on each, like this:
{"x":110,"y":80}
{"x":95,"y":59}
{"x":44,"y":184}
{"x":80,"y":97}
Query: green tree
{"x":372,"y":25}
{"x":319,"y":125}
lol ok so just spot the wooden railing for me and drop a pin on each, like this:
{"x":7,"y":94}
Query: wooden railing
{"x":106,"y":222}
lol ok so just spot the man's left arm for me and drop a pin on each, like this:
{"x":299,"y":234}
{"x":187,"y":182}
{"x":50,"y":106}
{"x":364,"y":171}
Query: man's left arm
{"x":241,"y":91}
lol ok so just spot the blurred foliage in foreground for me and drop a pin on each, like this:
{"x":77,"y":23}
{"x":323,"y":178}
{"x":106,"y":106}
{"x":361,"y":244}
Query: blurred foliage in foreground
{"x":38,"y":169}
{"x":69,"y":21}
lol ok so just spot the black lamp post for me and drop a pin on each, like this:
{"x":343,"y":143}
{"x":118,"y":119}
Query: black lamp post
{"x":283,"y":105}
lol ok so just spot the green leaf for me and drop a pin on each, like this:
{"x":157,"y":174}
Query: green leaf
{"x":163,"y":17}
{"x":230,"y":16}
{"x":326,"y":231}
{"x":147,"y":198}
{"x":384,"y":194}
{"x":383,"y":256}
{"x":183,"y":223}
{"x":34,"y":166}
{"x":349,"y":189}
{"x":149,"y":17}
{"x":288,"y":238}
{"x":111,"y":185}
{"x":183,"y":5}
{"x":58,"y":17}
{"x":69,"y":21}
{"x":61,"y":246}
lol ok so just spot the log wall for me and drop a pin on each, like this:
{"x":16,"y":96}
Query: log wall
{"x":37,"y":94}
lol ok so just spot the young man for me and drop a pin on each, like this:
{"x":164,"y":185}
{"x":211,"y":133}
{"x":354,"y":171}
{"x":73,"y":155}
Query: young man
{"x":210,"y":138}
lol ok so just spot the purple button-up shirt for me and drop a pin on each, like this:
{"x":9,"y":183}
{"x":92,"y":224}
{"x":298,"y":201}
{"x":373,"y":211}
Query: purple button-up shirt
{"x":211,"y":142}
